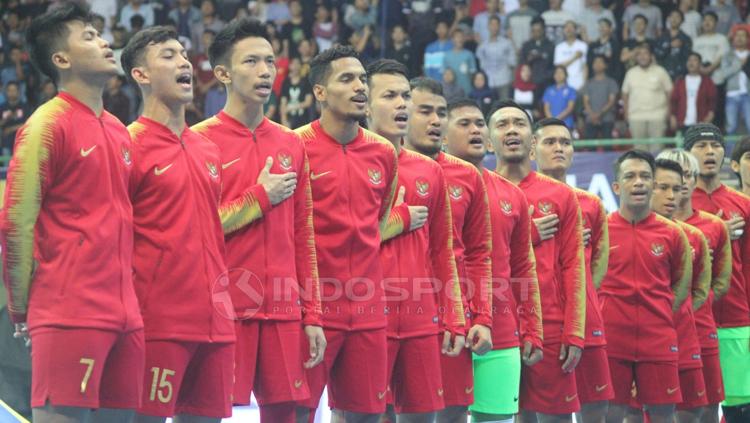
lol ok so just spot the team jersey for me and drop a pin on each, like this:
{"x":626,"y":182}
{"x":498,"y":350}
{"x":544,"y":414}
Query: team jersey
{"x":178,"y":256}
{"x":353,"y":186}
{"x":716,"y":233}
{"x":516,"y":306}
{"x":472,"y":240}
{"x":687,"y":334}
{"x":731,"y":310}
{"x":419,"y":269}
{"x":648,"y":278}
{"x":596,"y":254}
{"x":259,"y":238}
{"x":67,"y":225}
{"x":560,"y":262}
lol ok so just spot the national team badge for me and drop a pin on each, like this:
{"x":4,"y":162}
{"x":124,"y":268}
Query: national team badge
{"x":455,"y":192}
{"x":126,"y":156}
{"x":285,"y":161}
{"x":212,"y":171}
{"x":545,"y":208}
{"x":376,"y":177}
{"x":506,"y":207}
{"x":657,"y":249}
{"x":423,"y":187}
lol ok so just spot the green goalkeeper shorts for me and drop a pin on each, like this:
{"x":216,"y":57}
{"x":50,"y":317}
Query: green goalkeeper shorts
{"x":734,"y":355}
{"x":497,"y":378}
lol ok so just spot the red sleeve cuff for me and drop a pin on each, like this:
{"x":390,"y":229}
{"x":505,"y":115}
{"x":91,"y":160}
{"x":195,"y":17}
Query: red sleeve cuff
{"x":533,"y":340}
{"x":403,"y":212}
{"x":312,"y":319}
{"x":483,"y":320}
{"x":573,"y":340}
{"x":259,"y":193}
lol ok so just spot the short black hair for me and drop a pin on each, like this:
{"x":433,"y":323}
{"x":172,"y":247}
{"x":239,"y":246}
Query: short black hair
{"x":640,"y":16}
{"x":137,"y":21}
{"x":512,"y":104}
{"x":678,"y":11}
{"x":600,"y":56}
{"x":386,"y":67}
{"x":320,"y":65}
{"x":666,"y":164}
{"x":461,"y":103}
{"x":636,"y":155}
{"x":606,"y":21}
{"x":133,"y":52}
{"x":495,"y":18}
{"x":15,"y":83}
{"x":563,"y":68}
{"x":550,"y":121}
{"x":49,"y":32}
{"x":712,"y":14}
{"x":221,"y":49}
{"x":537,"y":21}
{"x":738,"y":151}
{"x":646,"y":46}
{"x":424,"y":83}
{"x":696,"y":54}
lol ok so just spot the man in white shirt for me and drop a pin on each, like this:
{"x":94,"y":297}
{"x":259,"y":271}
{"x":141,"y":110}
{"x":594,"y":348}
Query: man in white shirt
{"x":571,"y":53}
{"x":497,"y":58}
{"x":711,"y":45}
{"x":653,"y":16}
{"x":554,"y":20}
{"x":481,"y":26}
{"x":589,"y":18}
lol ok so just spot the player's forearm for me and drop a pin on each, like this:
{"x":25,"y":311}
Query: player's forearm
{"x":252,"y":205}
{"x":398,"y":223}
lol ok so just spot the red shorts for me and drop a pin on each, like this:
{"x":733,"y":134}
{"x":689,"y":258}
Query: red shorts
{"x":693,"y":389}
{"x":458,"y":374}
{"x":354,"y":368}
{"x":645,"y":382}
{"x":87,"y":368}
{"x":545,"y":388}
{"x":414,"y":382}
{"x":592,"y":376}
{"x":188,"y":378}
{"x":268,"y":360}
{"x":712,"y":378}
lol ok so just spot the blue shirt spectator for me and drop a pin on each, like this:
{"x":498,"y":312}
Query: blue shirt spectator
{"x":560,"y":98}
{"x":434,"y":54}
{"x":137,"y":7}
{"x":185,"y":16}
{"x":461,"y":61}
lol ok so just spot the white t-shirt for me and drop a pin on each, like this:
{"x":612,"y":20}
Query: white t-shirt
{"x":565,"y":52}
{"x":692,"y":85}
{"x":742,"y":55}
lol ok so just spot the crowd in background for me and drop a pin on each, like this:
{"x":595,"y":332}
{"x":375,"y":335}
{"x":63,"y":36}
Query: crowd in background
{"x":609,"y":69}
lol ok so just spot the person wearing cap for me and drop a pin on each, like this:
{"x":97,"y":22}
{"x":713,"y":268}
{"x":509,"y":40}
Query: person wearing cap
{"x":740,"y":164}
{"x":731,"y":312}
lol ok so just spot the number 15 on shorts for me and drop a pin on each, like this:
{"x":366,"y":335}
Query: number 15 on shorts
{"x":160,"y":386}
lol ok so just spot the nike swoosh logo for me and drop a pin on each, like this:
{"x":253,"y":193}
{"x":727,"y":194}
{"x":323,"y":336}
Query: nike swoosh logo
{"x":226,"y":165}
{"x":570,"y":398}
{"x":158,"y":171}
{"x":297,"y":383}
{"x":85,"y":153}
{"x":381,"y":395}
{"x":700,"y":394}
{"x":601,"y":388}
{"x":613,"y":247}
{"x":469,"y":390}
{"x":671,"y":391}
{"x":313,"y":176}
{"x":440,"y":392}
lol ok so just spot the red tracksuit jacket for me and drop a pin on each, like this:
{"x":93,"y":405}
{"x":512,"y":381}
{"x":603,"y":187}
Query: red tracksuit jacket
{"x":596,"y":254}
{"x":732,"y":310}
{"x":647,"y":280}
{"x":715,"y":231}
{"x":178,"y":258}
{"x":560,"y":262}
{"x":687,"y":334}
{"x":472,"y":239}
{"x":413,"y":259}
{"x":259,"y":238}
{"x":67,"y":225}
{"x":516,"y":306}
{"x":353,"y":187}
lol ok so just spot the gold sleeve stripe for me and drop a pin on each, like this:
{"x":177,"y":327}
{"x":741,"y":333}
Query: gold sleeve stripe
{"x":579,"y":323}
{"x":312,"y":255}
{"x":238,"y":213}
{"x":206,"y":125}
{"x":600,"y":259}
{"x":722,"y":258}
{"x":684,"y":270}
{"x":458,"y":304}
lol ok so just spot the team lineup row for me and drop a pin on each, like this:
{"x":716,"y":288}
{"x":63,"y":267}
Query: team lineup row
{"x":143,"y":263}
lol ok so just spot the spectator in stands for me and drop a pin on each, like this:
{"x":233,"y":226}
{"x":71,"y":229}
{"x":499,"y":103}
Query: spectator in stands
{"x":295,"y":30}
{"x":326,"y":27}
{"x":590,"y":17}
{"x":202,"y":70}
{"x":539,"y":54}
{"x":482,"y":93}
{"x":13,"y":113}
{"x":711,"y":45}
{"x":119,"y":39}
{"x":296,"y":98}
{"x":726,"y":13}
{"x":451,"y":90}
{"x":49,"y":91}
{"x":650,"y":12}
{"x":209,"y":21}
{"x":560,"y":98}
{"x":137,"y":7}
{"x":519,"y":24}
{"x":100,"y":24}
{"x":692,"y":23}
{"x":216,"y":97}
{"x":673,"y":47}
{"x":306,"y":51}
{"x":630,"y":47}
{"x":571,"y":54}
{"x":731,"y":72}
{"x":364,"y":42}
{"x":645,"y":96}
{"x":693,"y":97}
{"x":740,"y":164}
{"x":599,"y":100}
{"x":361,"y":14}
{"x":15,"y":69}
{"x":277,"y":11}
{"x":463,"y":21}
{"x":107,"y":9}
{"x":461,"y":61}
{"x":497,"y":58}
{"x":137,"y":23}
{"x":116,"y":101}
{"x":481,"y":26}
{"x":524,"y":90}
{"x":13,"y":33}
{"x":434,"y":54}
{"x":555,"y":19}
{"x":608,"y":46}
{"x":185,"y":16}
{"x":400,"y":49}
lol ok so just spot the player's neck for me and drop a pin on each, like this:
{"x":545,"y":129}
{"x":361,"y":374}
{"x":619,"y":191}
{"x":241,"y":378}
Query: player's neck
{"x":709,"y":183}
{"x":685,"y":211}
{"x":249,"y":114}
{"x":343,"y":131}
{"x":514,"y":172}
{"x":558,"y":175}
{"x":171,"y":116}
{"x":746,"y":189}
{"x":88,"y":94}
{"x":633,"y":216}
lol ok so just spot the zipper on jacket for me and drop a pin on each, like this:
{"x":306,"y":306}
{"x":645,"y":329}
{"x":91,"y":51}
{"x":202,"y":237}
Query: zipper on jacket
{"x":638,"y":294}
{"x":351,"y":220}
